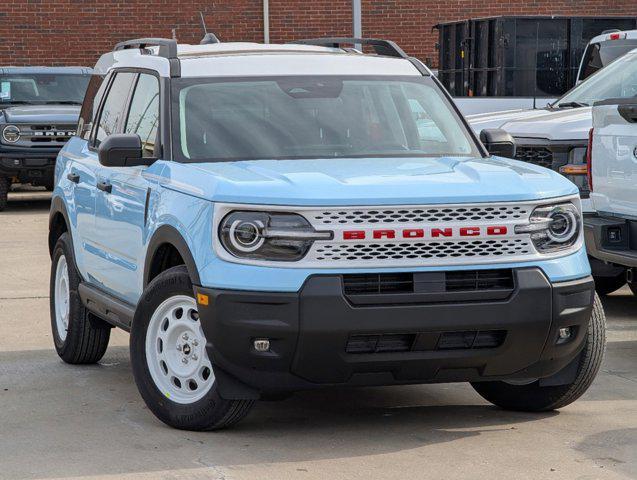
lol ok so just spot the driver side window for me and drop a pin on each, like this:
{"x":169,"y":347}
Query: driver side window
{"x":143,"y":116}
{"x":113,"y":108}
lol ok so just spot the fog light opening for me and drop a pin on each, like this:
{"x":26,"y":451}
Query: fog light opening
{"x":565,"y":334}
{"x":262,"y":345}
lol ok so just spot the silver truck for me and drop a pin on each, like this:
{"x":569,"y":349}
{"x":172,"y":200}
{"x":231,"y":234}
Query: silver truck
{"x":611,"y":233}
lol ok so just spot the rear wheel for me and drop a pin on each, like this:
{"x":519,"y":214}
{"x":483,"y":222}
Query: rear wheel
{"x":5,"y":184}
{"x":170,"y":363}
{"x":535,"y":398}
{"x":79,"y":337}
{"x":607,"y":285}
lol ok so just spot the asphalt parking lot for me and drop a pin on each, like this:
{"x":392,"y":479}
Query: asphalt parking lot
{"x":61,"y":421}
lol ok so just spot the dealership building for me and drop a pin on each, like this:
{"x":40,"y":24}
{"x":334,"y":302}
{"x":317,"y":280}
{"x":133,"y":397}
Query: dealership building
{"x":76,"y":32}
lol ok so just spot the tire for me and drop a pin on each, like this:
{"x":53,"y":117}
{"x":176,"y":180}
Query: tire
{"x":5,"y":185}
{"x":607,"y":285}
{"x":78,"y":335}
{"x":633,"y":288}
{"x":535,"y":398}
{"x":169,"y":360}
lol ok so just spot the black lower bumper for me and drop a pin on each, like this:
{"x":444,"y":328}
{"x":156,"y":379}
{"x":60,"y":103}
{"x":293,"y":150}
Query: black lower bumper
{"x":611,"y":239}
{"x":29,"y":166}
{"x":320,"y":336}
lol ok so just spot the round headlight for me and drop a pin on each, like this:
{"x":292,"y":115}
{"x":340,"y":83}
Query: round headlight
{"x":11,"y":134}
{"x":246,"y":236}
{"x":564,"y":225}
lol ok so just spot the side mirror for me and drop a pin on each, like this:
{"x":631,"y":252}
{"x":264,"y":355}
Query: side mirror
{"x":121,"y":150}
{"x":498,"y":142}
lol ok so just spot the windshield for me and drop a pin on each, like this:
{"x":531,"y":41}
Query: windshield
{"x":41,"y":89}
{"x":598,"y":55}
{"x":314,"y":117}
{"x":617,"y":80}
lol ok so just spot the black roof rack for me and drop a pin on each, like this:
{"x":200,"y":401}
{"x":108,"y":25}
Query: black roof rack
{"x":167,"y":46}
{"x":381,"y":47}
{"x":167,"y":49}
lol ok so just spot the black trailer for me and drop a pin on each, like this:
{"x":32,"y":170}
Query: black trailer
{"x":517,"y":56}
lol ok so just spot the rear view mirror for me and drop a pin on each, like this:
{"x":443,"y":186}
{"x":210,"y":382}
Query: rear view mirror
{"x":498,"y":142}
{"x":121,"y":150}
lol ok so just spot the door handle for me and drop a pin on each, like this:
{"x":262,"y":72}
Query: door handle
{"x":105,"y":187}
{"x":74,"y":177}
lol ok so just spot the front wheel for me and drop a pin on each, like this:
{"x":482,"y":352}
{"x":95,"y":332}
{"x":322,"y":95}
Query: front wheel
{"x":535,"y":398}
{"x":170,"y":364}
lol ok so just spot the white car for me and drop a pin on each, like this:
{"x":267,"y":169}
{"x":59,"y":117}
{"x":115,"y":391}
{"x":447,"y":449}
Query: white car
{"x":603,"y":49}
{"x":611,"y":234}
{"x":556,"y":136}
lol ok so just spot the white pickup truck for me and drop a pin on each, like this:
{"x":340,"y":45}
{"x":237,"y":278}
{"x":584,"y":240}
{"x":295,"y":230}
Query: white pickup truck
{"x":611,"y":233}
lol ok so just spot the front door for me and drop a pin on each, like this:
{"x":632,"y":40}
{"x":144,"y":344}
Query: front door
{"x":123,"y":196}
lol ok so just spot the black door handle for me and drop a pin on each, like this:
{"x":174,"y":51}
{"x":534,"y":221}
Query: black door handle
{"x":105,"y":187}
{"x":74,"y":177}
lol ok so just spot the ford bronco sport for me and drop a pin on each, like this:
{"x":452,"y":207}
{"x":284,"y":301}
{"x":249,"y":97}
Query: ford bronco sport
{"x":271,"y":218}
{"x":39,"y":108}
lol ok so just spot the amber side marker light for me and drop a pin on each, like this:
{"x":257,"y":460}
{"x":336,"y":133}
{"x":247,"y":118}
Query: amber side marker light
{"x":573,"y":169}
{"x":203,"y":299}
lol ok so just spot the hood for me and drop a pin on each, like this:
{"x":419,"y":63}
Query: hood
{"x":369,"y":181}
{"x":39,"y":114}
{"x":564,"y":124}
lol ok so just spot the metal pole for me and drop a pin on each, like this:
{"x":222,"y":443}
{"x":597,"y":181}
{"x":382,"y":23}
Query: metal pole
{"x":357,"y":22}
{"x":266,"y":21}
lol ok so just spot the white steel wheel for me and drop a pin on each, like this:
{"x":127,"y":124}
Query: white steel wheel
{"x":176,"y":351}
{"x":62,"y":298}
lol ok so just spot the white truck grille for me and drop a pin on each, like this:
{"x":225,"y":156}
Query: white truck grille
{"x":418,"y":215}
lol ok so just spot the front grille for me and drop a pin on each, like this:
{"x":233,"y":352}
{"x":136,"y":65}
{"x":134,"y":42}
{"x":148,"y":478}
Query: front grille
{"x":428,"y":282}
{"x":422,"y":251}
{"x":420,"y":215}
{"x":425,"y":341}
{"x":44,"y":135}
{"x":541,"y":156}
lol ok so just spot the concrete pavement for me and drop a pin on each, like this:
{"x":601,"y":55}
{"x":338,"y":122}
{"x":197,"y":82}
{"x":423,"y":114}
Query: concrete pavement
{"x":61,"y":421}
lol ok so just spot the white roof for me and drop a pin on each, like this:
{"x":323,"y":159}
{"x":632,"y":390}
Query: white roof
{"x":605,"y":37}
{"x":255,"y":59}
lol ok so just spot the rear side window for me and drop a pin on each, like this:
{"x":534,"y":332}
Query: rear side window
{"x":94,"y":94}
{"x":143,"y":116}
{"x":113,"y":110}
{"x":598,"y":55}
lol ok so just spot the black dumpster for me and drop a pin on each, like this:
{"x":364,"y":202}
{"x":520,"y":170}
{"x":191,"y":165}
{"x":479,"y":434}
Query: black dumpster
{"x":517,"y":56}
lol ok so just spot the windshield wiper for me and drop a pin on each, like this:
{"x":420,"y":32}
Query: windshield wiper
{"x":63,"y":102}
{"x":572,"y":105}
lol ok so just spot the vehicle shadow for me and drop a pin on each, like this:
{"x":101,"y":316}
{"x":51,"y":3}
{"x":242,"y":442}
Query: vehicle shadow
{"x":100,"y":404}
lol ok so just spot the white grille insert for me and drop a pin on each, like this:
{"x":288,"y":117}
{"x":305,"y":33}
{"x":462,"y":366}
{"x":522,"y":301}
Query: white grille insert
{"x":419,"y":215}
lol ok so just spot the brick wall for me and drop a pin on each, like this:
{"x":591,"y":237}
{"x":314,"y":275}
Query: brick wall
{"x":75,"y":32}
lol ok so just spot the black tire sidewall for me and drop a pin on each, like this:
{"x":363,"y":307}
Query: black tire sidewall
{"x":77,"y":312}
{"x":195,"y":416}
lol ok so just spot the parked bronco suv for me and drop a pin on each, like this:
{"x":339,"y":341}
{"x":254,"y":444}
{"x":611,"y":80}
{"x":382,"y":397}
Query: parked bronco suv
{"x":271,"y":218}
{"x":39,"y":108}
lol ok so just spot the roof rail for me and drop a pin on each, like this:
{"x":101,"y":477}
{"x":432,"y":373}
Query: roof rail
{"x":167,"y":46}
{"x":167,"y":49}
{"x":381,"y":47}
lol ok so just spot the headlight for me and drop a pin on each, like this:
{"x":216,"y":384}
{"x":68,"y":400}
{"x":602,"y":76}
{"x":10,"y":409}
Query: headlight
{"x":11,"y":134}
{"x":553,"y":227}
{"x":268,"y":236}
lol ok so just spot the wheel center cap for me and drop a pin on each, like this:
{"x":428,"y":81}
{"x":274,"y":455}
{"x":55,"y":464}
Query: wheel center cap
{"x":186,"y":349}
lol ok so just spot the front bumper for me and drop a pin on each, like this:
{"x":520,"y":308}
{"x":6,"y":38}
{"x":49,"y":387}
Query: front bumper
{"x":425,"y":335}
{"x":611,"y":239}
{"x":28,"y":165}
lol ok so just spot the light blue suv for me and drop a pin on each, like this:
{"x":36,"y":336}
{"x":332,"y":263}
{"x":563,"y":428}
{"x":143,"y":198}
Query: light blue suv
{"x":265,"y":219}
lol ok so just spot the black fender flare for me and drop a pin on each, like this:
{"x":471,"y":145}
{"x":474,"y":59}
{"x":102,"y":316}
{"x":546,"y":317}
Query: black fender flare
{"x":167,"y":234}
{"x":57,"y":207}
